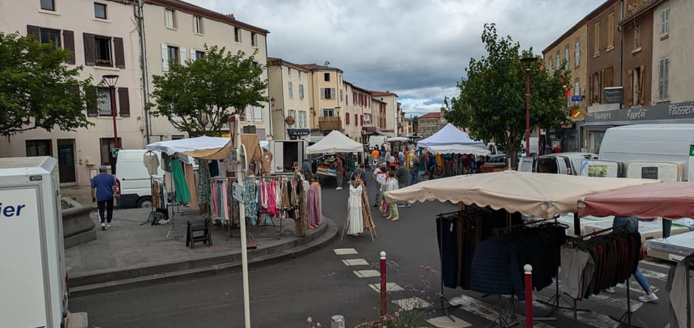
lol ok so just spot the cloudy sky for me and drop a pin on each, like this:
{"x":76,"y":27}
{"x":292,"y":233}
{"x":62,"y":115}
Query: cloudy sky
{"x":416,"y":48}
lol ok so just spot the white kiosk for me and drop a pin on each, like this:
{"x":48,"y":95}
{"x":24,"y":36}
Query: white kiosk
{"x":32,"y":266}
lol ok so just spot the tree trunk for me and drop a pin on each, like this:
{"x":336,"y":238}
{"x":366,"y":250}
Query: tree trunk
{"x":512,"y":150}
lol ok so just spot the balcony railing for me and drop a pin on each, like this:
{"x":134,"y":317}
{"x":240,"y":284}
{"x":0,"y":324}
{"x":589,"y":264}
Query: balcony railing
{"x":330,"y":123}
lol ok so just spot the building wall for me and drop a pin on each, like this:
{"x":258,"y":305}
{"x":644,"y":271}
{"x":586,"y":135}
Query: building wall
{"x":78,"y":16}
{"x":430,"y":125}
{"x":603,"y":61}
{"x":391,"y":111}
{"x":357,"y":103}
{"x":637,"y":58}
{"x":579,"y":75}
{"x":286,"y":103}
{"x":159,"y":36}
{"x":678,"y":47}
{"x":319,"y":104}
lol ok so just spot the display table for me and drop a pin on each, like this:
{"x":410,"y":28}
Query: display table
{"x":674,"y":248}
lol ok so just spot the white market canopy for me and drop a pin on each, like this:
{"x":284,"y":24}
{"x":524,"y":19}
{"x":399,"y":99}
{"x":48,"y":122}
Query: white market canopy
{"x":200,"y":147}
{"x":534,"y":194}
{"x":451,"y":140}
{"x":398,"y":139}
{"x":335,"y":142}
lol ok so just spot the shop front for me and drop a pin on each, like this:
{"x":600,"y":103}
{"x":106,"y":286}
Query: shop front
{"x":298,"y":134}
{"x":596,"y":123}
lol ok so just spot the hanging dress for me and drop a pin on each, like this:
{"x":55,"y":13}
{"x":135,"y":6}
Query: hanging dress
{"x":182,"y":194}
{"x":356,"y":219}
{"x":250,"y":201}
{"x":314,"y":206}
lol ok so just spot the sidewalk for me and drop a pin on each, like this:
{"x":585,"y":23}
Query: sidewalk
{"x":130,"y":251}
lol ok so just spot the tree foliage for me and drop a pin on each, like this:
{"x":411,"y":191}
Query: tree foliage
{"x":200,"y":96}
{"x":38,"y":89}
{"x":491,"y":104}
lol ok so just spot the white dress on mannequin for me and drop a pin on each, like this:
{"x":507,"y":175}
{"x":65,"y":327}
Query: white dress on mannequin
{"x":356,"y":219}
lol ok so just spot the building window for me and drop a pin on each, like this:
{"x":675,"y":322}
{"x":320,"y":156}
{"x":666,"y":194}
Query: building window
{"x":197,"y":20}
{"x":237,"y":34}
{"x":596,"y":39}
{"x":356,"y":119}
{"x":292,"y":113}
{"x":170,"y":18}
{"x":577,"y":90}
{"x":636,"y":86}
{"x":551,"y":66}
{"x":301,"y":91}
{"x":663,"y":77}
{"x":107,"y":146}
{"x":347,"y":119}
{"x":328,"y":112}
{"x":48,"y":5}
{"x":173,"y":55}
{"x":558,"y":62}
{"x":39,"y":148}
{"x":610,"y":31}
{"x":342,"y":95}
{"x":302,"y":119}
{"x":637,"y":37}
{"x":50,"y":36}
{"x":291,"y":90}
{"x":104,"y":96}
{"x":103,"y":51}
{"x":328,"y":93}
{"x":199,"y":55}
{"x":99,"y":10}
{"x":289,"y":71}
{"x":326,"y":77}
{"x":577,"y":56}
{"x":254,"y":39}
{"x":566,"y":57}
{"x":665,"y":22}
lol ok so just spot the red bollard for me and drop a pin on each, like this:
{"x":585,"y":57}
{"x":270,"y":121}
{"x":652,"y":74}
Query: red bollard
{"x":528,"y":295}
{"x":383,"y":285}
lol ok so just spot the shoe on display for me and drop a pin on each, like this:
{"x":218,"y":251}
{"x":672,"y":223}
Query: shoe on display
{"x":103,"y":226}
{"x":610,"y":290}
{"x":648,"y":298}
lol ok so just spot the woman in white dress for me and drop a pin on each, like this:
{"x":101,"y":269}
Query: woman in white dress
{"x":356,"y":219}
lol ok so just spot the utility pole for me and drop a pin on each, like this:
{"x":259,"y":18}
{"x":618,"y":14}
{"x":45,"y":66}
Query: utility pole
{"x":139,"y":13}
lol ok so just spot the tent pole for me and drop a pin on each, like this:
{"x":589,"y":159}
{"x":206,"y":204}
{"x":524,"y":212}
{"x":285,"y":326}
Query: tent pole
{"x":240,"y":174}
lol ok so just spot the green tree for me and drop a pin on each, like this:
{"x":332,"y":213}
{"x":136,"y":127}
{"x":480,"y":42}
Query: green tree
{"x":200,"y":96}
{"x":491,"y":104}
{"x":38,"y":89}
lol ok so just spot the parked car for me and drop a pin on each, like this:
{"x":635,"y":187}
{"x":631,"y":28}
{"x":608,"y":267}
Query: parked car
{"x":559,"y":163}
{"x":495,"y":163}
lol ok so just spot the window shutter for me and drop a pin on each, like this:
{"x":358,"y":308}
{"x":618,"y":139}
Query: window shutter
{"x":192,"y":55}
{"x":666,"y":78}
{"x":642,"y":85}
{"x":69,"y":44}
{"x":661,"y":75}
{"x":124,"y":102}
{"x":257,"y":113}
{"x":322,"y":93}
{"x":332,"y":93}
{"x":164,"y":57}
{"x":183,"y":56}
{"x":629,"y":94}
{"x":35,"y":31}
{"x":89,"y":49}
{"x":92,"y":109}
{"x":119,"y":52}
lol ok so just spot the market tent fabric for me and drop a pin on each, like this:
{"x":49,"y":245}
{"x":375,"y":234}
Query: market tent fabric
{"x":451,"y":140}
{"x":200,"y":147}
{"x":460,"y":149}
{"x":335,"y":142}
{"x":671,"y":200}
{"x":535,"y":194}
{"x":398,"y":139}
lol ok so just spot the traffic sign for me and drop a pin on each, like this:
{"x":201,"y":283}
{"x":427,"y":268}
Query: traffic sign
{"x":114,"y":152}
{"x":577,"y":98}
{"x":237,"y":192}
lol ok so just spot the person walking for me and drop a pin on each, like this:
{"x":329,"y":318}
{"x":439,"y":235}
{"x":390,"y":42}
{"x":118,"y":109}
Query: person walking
{"x":339,"y":171}
{"x":103,"y":189}
{"x":413,"y":162}
{"x":431,"y":164}
{"x":402,"y":174}
{"x":379,"y":175}
{"x":359,"y":173}
{"x":392,"y":184}
{"x":374,"y":155}
{"x":351,"y":165}
{"x":306,"y":167}
{"x":632,"y":225}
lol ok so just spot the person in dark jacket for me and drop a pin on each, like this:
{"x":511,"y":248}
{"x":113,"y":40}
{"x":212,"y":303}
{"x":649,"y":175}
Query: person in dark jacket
{"x":431,"y":164}
{"x":403,"y":176}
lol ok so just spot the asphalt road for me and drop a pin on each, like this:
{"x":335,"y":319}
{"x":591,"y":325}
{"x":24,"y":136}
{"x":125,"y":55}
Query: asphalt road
{"x":321,"y":285}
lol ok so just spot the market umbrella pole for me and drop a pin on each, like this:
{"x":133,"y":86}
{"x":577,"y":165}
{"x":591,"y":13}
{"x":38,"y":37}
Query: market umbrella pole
{"x":241,"y":151}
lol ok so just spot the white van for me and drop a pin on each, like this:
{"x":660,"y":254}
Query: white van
{"x":134,"y":184}
{"x":286,"y":154}
{"x":377,"y":140}
{"x":654,"y":143}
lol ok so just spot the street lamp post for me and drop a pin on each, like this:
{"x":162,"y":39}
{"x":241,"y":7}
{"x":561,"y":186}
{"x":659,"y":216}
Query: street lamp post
{"x":527,"y":63}
{"x":110,"y":81}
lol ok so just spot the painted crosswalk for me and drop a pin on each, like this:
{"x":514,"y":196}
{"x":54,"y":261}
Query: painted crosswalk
{"x":449,"y":322}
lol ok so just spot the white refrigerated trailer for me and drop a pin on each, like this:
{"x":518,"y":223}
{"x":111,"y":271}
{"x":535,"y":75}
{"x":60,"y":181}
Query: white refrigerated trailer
{"x":33,"y":280}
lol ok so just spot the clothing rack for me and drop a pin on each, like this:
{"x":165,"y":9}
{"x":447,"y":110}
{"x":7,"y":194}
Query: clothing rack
{"x":152,"y":213}
{"x":442,"y":297}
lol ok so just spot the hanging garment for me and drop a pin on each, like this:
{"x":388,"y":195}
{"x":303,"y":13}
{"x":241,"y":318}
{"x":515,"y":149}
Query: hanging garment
{"x":182,"y":194}
{"x":204,"y":183}
{"x":313,"y":199}
{"x":250,"y":200}
{"x":225,"y":202}
{"x":164,"y":196}
{"x":278,"y":198}
{"x":271,"y":198}
{"x":356,"y":219}
{"x":577,"y":269}
{"x":266,"y":162}
{"x":151,"y":161}
{"x":166,"y":162}
{"x":156,"y":198}
{"x":192,"y":186}
{"x":303,"y":185}
{"x":214,"y":168}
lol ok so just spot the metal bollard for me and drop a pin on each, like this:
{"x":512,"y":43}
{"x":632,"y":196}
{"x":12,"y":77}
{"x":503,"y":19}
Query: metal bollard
{"x":337,"y":321}
{"x":384,"y":309}
{"x":528,"y":295}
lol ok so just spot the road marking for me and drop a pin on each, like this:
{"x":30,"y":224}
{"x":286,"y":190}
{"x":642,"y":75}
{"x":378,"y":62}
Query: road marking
{"x":409,"y":304}
{"x":635,"y":287}
{"x":355,"y":262}
{"x":616,"y":302}
{"x":445,"y":322}
{"x":367,"y":273}
{"x":654,"y":275}
{"x":486,"y":311}
{"x":390,"y":287}
{"x":656,"y":264}
{"x":345,"y":251}
{"x":593,"y":319}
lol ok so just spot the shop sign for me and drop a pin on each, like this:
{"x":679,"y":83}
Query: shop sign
{"x":649,"y":172}
{"x":658,"y":112}
{"x":613,"y":95}
{"x":298,"y":132}
{"x":576,"y":98}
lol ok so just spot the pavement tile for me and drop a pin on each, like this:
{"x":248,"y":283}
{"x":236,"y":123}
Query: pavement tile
{"x":345,"y":251}
{"x":445,"y":322}
{"x":390,"y":287}
{"x":409,"y":304}
{"x":355,"y":262}
{"x":367,"y":273}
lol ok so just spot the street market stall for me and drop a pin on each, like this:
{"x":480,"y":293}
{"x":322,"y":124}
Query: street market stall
{"x":670,"y":200}
{"x":490,"y":207}
{"x":451,"y":140}
{"x":332,"y":144}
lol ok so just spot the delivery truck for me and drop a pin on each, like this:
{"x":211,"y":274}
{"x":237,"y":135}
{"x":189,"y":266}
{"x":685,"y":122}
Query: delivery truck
{"x":32,"y":270}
